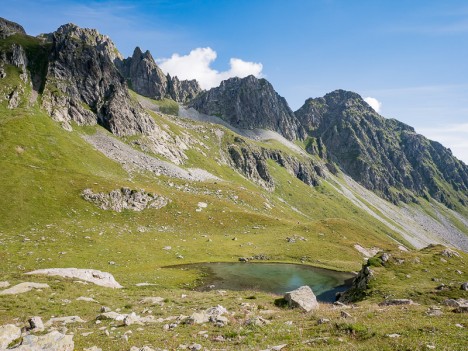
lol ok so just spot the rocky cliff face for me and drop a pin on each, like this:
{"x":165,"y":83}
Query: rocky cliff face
{"x":250,"y":103}
{"x":384,"y":155}
{"x":83,"y":85}
{"x":252,"y":163}
{"x":147,"y":79}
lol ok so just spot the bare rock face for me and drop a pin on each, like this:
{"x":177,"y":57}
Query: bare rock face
{"x":250,"y":103}
{"x":90,"y":275}
{"x":182,"y":90}
{"x":125,"y":199}
{"x":143,"y":74}
{"x":303,"y":298}
{"x":8,"y":28}
{"x":83,"y":85}
{"x":252,"y":163}
{"x":147,"y":79}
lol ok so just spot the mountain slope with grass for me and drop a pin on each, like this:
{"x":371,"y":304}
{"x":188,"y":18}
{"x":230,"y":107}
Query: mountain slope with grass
{"x":226,"y":196}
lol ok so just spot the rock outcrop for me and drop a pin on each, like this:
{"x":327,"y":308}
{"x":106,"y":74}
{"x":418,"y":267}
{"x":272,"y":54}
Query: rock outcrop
{"x":89,"y":275}
{"x":83,"y":85}
{"x":384,"y":155}
{"x":250,"y":103}
{"x":146,"y":78}
{"x":252,"y":163}
{"x":303,"y":298}
{"x":125,"y":199}
{"x":8,"y":28}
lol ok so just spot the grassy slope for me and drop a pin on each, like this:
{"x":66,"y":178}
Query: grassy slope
{"x":45,"y":223}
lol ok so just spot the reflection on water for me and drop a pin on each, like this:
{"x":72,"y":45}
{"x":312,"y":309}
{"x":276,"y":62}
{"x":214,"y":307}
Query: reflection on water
{"x":272,"y":277}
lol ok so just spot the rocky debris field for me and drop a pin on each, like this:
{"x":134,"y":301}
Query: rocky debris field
{"x":133,"y":160}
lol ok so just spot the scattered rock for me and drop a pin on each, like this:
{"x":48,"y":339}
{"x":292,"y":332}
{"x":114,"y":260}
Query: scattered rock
{"x":8,"y":333}
{"x":394,"y":302}
{"x":90,"y":275}
{"x":303,"y":298}
{"x":455,"y":303}
{"x":450,"y":253}
{"x":125,"y":199}
{"x":195,"y":347}
{"x":243,"y":259}
{"x":4,"y":285}
{"x":23,"y":287}
{"x":464,"y":286}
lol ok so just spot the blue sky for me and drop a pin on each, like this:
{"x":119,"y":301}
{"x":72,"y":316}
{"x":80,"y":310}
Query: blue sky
{"x":412,"y":56}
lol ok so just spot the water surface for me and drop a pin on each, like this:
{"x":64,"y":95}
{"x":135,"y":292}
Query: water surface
{"x":276,"y":278}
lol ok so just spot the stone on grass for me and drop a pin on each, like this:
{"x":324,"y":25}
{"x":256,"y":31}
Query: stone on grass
{"x":257,"y":321}
{"x":23,"y":287}
{"x":35,"y":324}
{"x":303,"y":298}
{"x":86,"y":299}
{"x":64,"y":320}
{"x":90,"y":275}
{"x":8,"y":333}
{"x":396,"y":302}
{"x":92,"y":348}
{"x":153,"y":300}
{"x":4,"y":285}
{"x":464,"y":286}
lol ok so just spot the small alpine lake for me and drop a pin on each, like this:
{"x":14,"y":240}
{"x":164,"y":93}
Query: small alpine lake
{"x":276,"y":278}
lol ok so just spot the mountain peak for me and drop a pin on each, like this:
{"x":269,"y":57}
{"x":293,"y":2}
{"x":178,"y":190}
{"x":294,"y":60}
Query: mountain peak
{"x":250,"y":103}
{"x":8,"y":28}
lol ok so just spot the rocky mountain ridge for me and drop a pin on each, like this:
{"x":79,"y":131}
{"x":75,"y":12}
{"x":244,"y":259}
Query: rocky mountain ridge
{"x":384,"y":155}
{"x":147,"y":79}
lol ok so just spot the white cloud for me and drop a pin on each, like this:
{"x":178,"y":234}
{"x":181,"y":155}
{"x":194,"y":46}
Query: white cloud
{"x":374,"y":103}
{"x":196,"y":65}
{"x":453,"y":136}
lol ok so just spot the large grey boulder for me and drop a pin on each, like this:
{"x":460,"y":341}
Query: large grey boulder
{"x":8,"y":333}
{"x":90,"y":275}
{"x":303,"y":298}
{"x":23,"y":287}
{"x":54,"y":341}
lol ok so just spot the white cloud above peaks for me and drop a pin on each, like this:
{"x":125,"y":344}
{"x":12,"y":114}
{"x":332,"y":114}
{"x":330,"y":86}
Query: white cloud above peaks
{"x":197,"y":65}
{"x":374,"y":103}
